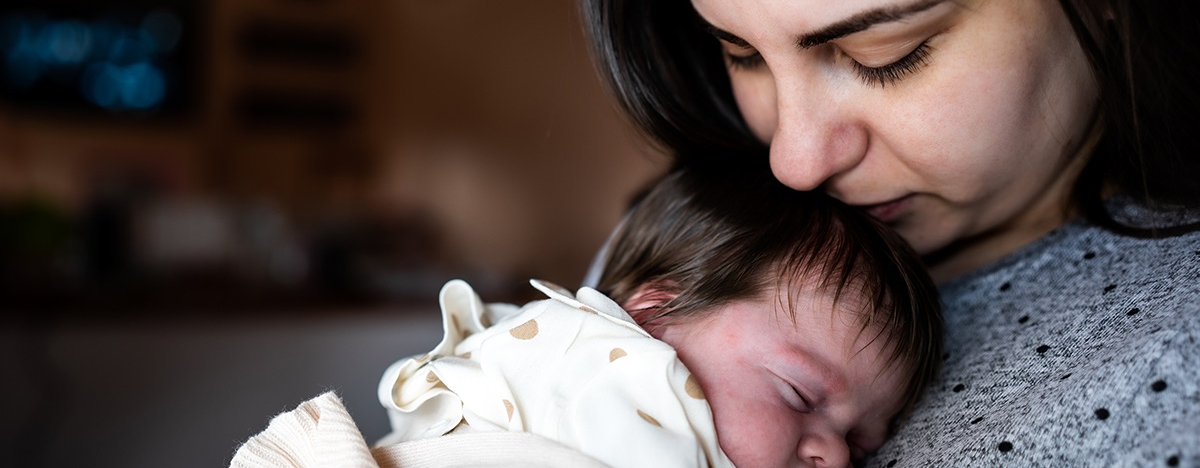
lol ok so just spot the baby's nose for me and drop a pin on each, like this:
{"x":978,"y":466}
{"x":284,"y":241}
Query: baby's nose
{"x":824,"y":451}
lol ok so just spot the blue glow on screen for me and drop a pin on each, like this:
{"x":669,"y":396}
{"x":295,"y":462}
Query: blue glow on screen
{"x":139,"y":86}
{"x":115,"y":64}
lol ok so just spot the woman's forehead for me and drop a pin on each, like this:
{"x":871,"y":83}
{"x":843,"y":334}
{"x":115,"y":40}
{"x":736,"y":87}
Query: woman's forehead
{"x":808,"y":16}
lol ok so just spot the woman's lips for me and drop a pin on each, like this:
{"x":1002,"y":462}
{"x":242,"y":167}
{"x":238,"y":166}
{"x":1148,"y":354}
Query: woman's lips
{"x":890,"y":210}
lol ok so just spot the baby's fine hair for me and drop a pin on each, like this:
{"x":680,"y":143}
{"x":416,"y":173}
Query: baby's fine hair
{"x":712,"y":237}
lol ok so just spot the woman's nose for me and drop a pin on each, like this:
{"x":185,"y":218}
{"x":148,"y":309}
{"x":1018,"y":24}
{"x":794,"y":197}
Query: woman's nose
{"x":824,"y":451}
{"x":816,"y":137}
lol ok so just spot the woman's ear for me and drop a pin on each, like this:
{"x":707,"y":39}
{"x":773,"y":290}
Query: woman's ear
{"x":648,"y":299}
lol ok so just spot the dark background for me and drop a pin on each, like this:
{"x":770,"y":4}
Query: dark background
{"x":213,"y":210}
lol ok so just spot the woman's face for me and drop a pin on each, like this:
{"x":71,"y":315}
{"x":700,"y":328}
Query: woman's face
{"x":958,"y":123}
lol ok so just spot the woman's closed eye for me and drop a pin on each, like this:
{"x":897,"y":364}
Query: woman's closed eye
{"x":891,"y":73}
{"x":742,"y":58}
{"x":882,"y":76}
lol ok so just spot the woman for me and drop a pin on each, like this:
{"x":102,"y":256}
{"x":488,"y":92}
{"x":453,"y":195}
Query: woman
{"x":1040,"y":155}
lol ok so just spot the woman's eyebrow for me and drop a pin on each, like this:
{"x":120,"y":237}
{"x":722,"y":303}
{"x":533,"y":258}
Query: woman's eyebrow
{"x":723,"y":34}
{"x":856,"y":23}
{"x":862,"y":21}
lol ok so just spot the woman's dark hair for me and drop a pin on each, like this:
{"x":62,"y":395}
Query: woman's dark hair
{"x":703,"y":238}
{"x":1145,"y":58}
{"x":669,"y":75}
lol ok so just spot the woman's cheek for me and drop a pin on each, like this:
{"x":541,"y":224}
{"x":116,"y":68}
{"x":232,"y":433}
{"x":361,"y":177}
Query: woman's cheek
{"x":755,"y":96}
{"x":963,"y":126}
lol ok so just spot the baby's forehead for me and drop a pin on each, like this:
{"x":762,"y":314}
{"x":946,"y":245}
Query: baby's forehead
{"x":849,"y":318}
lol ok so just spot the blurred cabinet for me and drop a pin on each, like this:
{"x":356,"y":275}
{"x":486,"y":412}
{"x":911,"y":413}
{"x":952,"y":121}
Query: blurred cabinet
{"x":291,"y":98}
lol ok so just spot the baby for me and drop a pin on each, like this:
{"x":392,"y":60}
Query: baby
{"x":736,"y":322}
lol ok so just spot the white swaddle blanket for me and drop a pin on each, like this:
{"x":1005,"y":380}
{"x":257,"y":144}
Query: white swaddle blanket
{"x":574,"y":369}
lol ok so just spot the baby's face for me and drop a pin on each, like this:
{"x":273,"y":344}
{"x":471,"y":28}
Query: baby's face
{"x":807,"y":394}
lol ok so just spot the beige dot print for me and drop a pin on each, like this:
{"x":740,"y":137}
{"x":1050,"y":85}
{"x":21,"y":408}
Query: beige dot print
{"x":616,"y":353}
{"x":648,"y":418}
{"x":525,"y":331}
{"x":692,"y":387}
{"x":508,"y":407}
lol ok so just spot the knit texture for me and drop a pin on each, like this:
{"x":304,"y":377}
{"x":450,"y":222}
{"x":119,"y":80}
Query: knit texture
{"x":318,"y":433}
{"x":321,"y":434}
{"x":1081,"y":350}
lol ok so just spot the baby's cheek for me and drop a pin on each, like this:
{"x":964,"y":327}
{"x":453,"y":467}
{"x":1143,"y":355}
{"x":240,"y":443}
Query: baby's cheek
{"x":755,"y":440}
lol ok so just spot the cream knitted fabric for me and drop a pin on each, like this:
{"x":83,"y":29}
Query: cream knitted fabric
{"x":320,"y":434}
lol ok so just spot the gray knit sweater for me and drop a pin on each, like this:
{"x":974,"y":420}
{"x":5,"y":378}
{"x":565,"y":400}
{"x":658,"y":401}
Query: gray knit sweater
{"x":1081,"y":349}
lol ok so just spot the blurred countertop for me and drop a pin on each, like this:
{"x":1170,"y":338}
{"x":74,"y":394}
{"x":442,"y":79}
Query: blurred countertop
{"x":186,"y":391}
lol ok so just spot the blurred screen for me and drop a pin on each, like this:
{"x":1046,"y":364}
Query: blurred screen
{"x":135,"y":58}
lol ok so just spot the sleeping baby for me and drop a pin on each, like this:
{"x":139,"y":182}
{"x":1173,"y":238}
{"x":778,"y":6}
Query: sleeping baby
{"x":736,"y":322}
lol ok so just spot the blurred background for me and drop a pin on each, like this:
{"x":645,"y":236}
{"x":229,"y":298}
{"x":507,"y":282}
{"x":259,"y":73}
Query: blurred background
{"x":212,"y":210}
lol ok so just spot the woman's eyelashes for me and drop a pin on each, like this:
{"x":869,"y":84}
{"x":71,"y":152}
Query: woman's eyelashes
{"x":881,"y":76}
{"x":891,"y":73}
{"x":743,"y":62}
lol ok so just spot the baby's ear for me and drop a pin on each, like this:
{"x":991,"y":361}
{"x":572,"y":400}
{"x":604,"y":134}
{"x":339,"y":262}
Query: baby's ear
{"x":648,"y":298}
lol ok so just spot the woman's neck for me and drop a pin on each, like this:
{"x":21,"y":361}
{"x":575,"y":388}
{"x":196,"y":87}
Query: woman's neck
{"x":972,"y":253}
